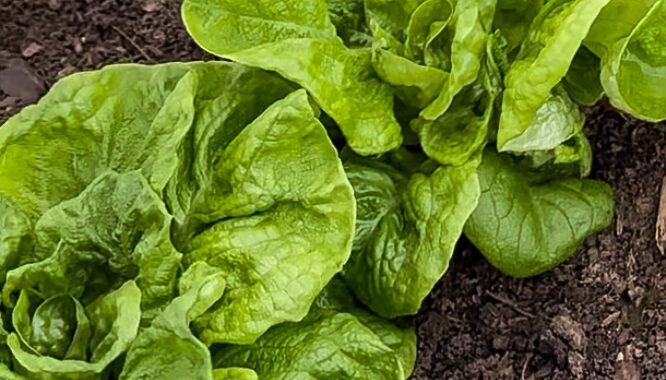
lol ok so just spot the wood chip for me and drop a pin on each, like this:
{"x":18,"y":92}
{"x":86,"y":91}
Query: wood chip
{"x":32,"y":49}
{"x":150,"y":6}
{"x":610,"y":319}
{"x":661,"y":220}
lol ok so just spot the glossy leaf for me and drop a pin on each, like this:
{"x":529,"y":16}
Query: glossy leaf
{"x":114,"y":319}
{"x":339,"y":79}
{"x":524,"y":226}
{"x":336,"y":340}
{"x":281,"y":227}
{"x":543,"y":60}
{"x":406,"y":230}
{"x":115,"y":230}
{"x":168,"y":349}
{"x":460,"y":133}
{"x":630,"y":38}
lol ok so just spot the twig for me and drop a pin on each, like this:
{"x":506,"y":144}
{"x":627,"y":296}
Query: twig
{"x":131,"y":41}
{"x":661,"y":220}
{"x":524,"y":371}
{"x":510,"y":304}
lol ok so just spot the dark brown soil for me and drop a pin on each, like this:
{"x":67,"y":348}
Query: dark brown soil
{"x":602,"y":315}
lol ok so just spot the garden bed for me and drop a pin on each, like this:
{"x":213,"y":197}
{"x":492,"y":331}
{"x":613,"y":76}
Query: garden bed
{"x":600,"y":315}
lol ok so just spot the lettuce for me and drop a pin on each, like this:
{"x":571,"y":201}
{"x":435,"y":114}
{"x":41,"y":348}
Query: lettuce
{"x":282,"y":215}
{"x":299,"y":42}
{"x":629,"y":38}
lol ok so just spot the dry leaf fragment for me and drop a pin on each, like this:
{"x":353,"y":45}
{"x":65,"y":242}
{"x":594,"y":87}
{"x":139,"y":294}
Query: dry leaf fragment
{"x":661,"y":220}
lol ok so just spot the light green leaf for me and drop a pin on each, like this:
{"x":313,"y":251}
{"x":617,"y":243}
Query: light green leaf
{"x":462,"y":131}
{"x":16,"y":238}
{"x":7,"y":374}
{"x":573,"y":158}
{"x":471,"y":22}
{"x":58,"y":326}
{"x":232,"y":26}
{"x":426,"y":23}
{"x":116,"y":229}
{"x":339,"y":79}
{"x":326,"y":345}
{"x":168,"y":349}
{"x":391,"y":16}
{"x":406,"y":231}
{"x":234,"y":373}
{"x":556,"y":121}
{"x":276,"y":216}
{"x":121,"y":118}
{"x":399,"y":335}
{"x":630,"y":38}
{"x":114,"y":319}
{"x":524,"y":226}
{"x":543,"y":60}
{"x":416,"y":85}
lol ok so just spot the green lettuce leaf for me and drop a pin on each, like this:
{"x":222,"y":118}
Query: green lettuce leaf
{"x":400,"y":37}
{"x":337,"y":340}
{"x":276,"y":216}
{"x":348,"y":16}
{"x":298,"y":41}
{"x":398,"y":334}
{"x":556,"y":121}
{"x":463,"y":130}
{"x":583,"y":82}
{"x":406,"y":230}
{"x":514,"y":17}
{"x":543,"y":60}
{"x":121,"y":118}
{"x":234,"y":373}
{"x":630,"y":38}
{"x":221,"y":161}
{"x":471,"y":22}
{"x":15,"y":236}
{"x":115,"y":230}
{"x":168,"y":349}
{"x":525,"y":226}
{"x":114,"y":322}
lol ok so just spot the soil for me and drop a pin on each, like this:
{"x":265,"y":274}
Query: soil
{"x":601,"y":315}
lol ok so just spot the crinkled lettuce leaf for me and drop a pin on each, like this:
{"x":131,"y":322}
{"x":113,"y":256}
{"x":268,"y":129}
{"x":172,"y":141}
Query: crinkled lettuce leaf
{"x":471,"y":22}
{"x":114,"y":322}
{"x":336,"y":340}
{"x":117,"y":229}
{"x":556,"y":121}
{"x":121,"y":118}
{"x":525,"y":225}
{"x":168,"y":349}
{"x":544,"y":59}
{"x":298,"y":41}
{"x":234,"y":373}
{"x":630,"y":38}
{"x":275,"y":215}
{"x":132,"y":165}
{"x":398,"y":334}
{"x":461,"y":132}
{"x":406,"y":230}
